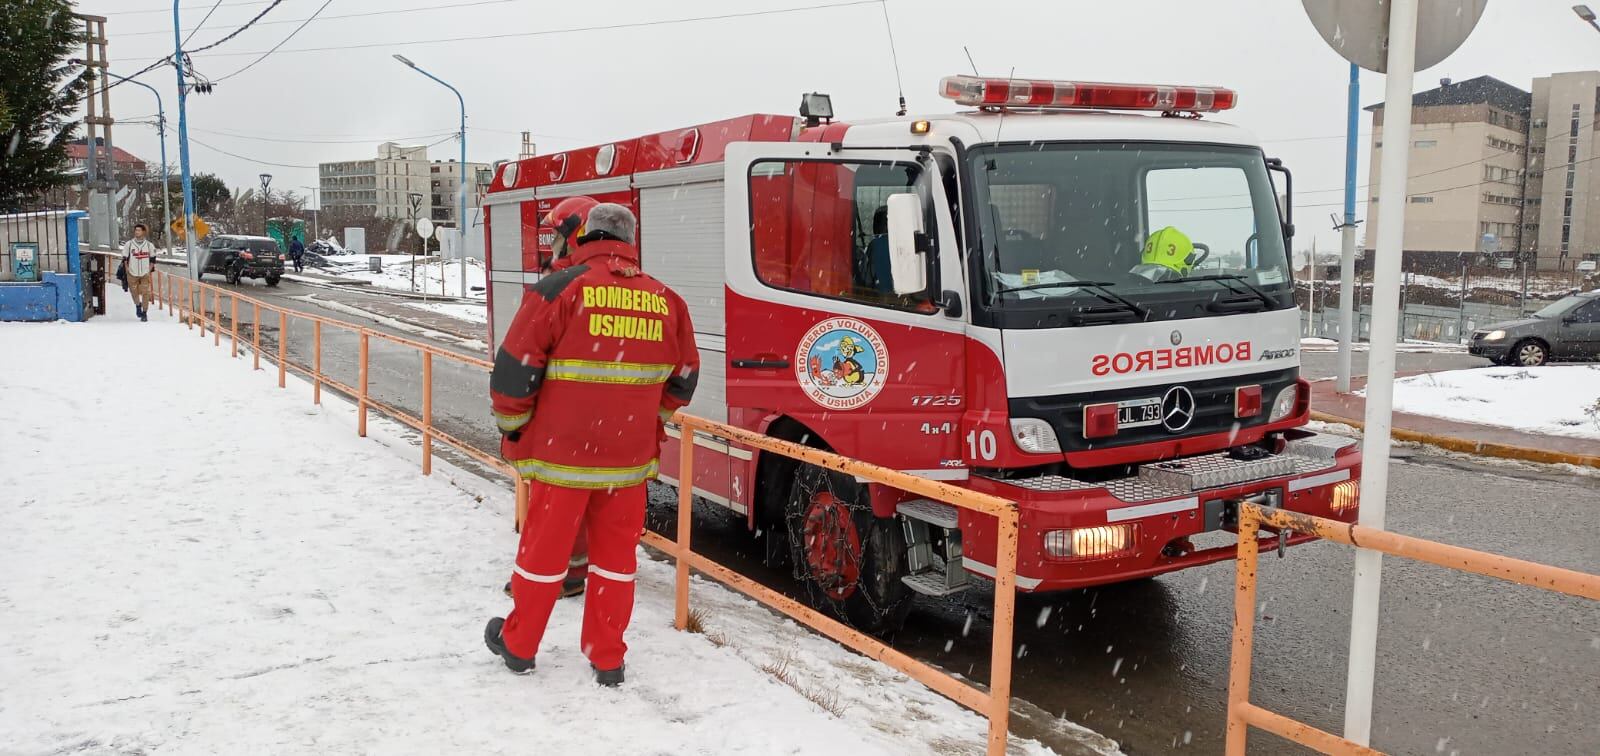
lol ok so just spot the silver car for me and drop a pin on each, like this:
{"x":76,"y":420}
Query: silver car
{"x":1567,"y":329}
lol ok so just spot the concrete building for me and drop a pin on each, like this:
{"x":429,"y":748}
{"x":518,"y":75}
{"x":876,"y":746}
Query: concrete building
{"x":381,"y":187}
{"x":1473,"y":175}
{"x":446,"y":179}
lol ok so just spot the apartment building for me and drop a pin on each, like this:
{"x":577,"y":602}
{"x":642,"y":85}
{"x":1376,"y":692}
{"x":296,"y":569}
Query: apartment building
{"x":1496,"y":166}
{"x":387,"y":186}
{"x":445,"y":176}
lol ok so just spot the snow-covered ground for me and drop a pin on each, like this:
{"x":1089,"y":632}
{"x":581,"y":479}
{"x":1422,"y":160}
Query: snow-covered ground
{"x":398,"y":275}
{"x":177,"y":580}
{"x":472,"y":313}
{"x":1560,"y":400}
{"x":1319,"y":344}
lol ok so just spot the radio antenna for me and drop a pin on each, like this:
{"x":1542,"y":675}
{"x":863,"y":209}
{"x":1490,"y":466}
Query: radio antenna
{"x":893,"y":55}
{"x":1002,"y":123}
{"x":970,"y":61}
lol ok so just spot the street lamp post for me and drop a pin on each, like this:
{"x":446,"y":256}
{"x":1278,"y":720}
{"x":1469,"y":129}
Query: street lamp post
{"x":461,"y":190}
{"x":316,"y":228}
{"x":161,"y":132}
{"x":1587,"y":15}
{"x":266,"y":180}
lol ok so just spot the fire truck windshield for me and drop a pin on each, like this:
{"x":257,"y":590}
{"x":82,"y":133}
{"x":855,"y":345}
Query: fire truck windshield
{"x":1084,"y":233}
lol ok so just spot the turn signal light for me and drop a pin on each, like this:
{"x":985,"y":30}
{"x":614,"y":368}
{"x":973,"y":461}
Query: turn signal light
{"x":1100,"y":420}
{"x":1087,"y":543}
{"x":1247,"y":401}
{"x":1346,"y":496}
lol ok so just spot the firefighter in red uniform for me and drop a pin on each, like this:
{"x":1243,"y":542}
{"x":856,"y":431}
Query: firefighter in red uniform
{"x":599,"y":355}
{"x":567,"y":219}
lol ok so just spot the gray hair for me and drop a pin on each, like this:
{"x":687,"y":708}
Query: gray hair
{"x":613,"y":219}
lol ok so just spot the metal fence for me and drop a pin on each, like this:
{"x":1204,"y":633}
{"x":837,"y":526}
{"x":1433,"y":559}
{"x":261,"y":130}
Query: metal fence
{"x":36,"y":230}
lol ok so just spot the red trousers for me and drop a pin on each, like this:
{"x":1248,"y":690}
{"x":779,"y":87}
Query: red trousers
{"x":614,"y":520}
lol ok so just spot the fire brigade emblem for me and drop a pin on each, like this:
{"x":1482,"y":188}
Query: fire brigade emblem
{"x":842,"y":363}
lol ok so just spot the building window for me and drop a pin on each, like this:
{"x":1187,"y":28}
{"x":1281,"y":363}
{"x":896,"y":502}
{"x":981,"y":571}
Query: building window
{"x":1421,"y":200}
{"x":1425,"y":143}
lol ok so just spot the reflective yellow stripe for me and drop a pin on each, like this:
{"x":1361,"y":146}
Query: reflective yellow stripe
{"x":512,"y":422}
{"x":570,"y":476}
{"x":594,"y":371}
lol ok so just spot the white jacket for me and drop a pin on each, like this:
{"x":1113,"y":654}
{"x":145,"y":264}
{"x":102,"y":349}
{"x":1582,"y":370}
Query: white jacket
{"x":139,"y":255}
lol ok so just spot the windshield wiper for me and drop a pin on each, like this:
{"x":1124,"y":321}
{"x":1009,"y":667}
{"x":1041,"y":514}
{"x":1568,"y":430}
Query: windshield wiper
{"x":1221,"y":279}
{"x":1101,"y":289}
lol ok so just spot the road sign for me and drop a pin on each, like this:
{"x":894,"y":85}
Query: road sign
{"x":202,"y":229}
{"x":1586,"y":265}
{"x":1359,"y":29}
{"x":424,"y":227}
{"x":1505,"y":263}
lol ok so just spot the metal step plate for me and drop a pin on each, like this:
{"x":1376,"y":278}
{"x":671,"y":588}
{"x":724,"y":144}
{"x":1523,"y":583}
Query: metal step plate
{"x":929,"y":511}
{"x":931,"y":583}
{"x":1213,"y":471}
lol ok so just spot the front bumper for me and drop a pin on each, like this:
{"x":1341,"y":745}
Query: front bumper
{"x":1494,"y":350}
{"x":1164,"y":510}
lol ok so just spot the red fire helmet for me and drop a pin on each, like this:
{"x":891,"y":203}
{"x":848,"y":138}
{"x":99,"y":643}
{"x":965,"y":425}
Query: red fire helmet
{"x":569,"y":216}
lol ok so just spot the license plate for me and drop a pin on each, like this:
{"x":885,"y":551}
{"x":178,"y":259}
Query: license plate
{"x":1137,"y":413}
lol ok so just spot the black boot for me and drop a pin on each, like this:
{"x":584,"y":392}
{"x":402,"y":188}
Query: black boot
{"x":492,"y":638}
{"x":572,"y":587}
{"x":609,"y":678}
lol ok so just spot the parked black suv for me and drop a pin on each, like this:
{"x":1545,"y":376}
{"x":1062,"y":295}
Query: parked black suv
{"x":238,"y":257}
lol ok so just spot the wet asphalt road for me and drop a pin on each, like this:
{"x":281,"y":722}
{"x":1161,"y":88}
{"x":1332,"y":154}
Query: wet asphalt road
{"x":1467,"y":665}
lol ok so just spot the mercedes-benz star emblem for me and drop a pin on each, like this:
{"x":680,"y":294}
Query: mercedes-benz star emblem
{"x":1177,"y":409}
{"x":1177,"y":338}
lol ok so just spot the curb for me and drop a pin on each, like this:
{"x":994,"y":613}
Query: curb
{"x":1485,"y":448}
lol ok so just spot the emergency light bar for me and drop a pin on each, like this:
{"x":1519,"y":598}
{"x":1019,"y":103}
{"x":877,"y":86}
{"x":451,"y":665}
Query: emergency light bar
{"x":1041,"y":93}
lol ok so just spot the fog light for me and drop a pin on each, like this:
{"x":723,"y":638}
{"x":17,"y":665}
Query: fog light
{"x":1034,"y":435}
{"x":1346,"y":496}
{"x":1283,"y":406}
{"x":1084,"y":543}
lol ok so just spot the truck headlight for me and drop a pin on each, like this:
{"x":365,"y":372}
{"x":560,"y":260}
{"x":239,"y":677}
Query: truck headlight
{"x":1494,"y":335}
{"x":1283,"y":406}
{"x":1034,"y":435}
{"x":1084,"y":543}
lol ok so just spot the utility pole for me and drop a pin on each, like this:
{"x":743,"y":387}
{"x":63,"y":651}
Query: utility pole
{"x":1347,"y":235}
{"x":183,"y":143}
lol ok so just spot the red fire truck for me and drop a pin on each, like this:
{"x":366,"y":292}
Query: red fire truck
{"x":1073,"y":295}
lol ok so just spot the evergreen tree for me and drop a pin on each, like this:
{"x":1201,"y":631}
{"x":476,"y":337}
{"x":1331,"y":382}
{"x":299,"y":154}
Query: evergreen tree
{"x":39,"y":93}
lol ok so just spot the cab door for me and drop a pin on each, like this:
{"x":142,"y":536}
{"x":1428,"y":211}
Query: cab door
{"x":1579,"y":337}
{"x":815,"y":332}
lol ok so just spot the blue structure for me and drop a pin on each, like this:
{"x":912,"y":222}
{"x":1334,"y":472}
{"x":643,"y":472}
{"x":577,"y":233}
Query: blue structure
{"x":59,"y":294}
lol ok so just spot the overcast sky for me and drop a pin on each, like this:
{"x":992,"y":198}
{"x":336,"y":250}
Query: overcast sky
{"x":333,"y":91}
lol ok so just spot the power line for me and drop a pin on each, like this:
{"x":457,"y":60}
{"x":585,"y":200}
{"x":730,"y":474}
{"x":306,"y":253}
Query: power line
{"x":570,"y":30}
{"x":196,"y":28}
{"x":259,"y":161}
{"x":168,"y":9}
{"x":238,"y":31}
{"x":364,"y":14}
{"x":274,"y":49}
{"x":320,"y":141}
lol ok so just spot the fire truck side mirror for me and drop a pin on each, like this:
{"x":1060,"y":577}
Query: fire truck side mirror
{"x":907,"y":243}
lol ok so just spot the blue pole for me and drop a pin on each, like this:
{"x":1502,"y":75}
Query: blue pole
{"x":183,"y":145}
{"x":1347,"y":232}
{"x":461,"y":190}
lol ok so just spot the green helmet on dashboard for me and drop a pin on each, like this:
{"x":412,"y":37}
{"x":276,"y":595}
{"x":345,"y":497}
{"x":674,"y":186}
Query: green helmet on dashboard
{"x":1168,"y":254}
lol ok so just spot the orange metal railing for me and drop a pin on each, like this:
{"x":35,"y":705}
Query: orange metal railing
{"x":1242,"y":714}
{"x":180,"y":295}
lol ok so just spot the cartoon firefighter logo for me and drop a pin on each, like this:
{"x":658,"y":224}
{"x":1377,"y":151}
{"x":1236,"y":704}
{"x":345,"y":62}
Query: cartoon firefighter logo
{"x":842,"y":364}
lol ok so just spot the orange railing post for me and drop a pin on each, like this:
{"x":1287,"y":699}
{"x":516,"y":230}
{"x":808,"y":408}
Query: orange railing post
{"x":1000,"y":656}
{"x":187,"y":306}
{"x":283,"y":348}
{"x":216,"y":314}
{"x":255,"y":333}
{"x":1244,"y":627}
{"x":233,"y":325}
{"x":680,"y":616}
{"x":316,"y":362}
{"x":427,"y":412}
{"x":361,"y":427}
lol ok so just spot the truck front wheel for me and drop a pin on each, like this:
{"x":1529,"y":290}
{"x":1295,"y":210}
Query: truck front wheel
{"x":849,"y":561}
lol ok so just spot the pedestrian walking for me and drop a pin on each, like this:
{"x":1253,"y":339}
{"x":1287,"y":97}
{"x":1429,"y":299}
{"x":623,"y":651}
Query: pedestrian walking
{"x":596,"y":359}
{"x":138,"y":260}
{"x":567,"y":219}
{"x":297,"y":253}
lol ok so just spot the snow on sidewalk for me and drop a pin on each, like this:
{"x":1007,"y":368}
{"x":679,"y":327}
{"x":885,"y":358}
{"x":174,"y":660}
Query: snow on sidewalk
{"x":1559,"y":400}
{"x":181,"y":577}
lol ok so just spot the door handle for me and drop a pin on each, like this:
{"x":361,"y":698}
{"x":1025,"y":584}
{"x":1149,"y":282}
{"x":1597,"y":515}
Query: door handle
{"x":763,"y":362}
